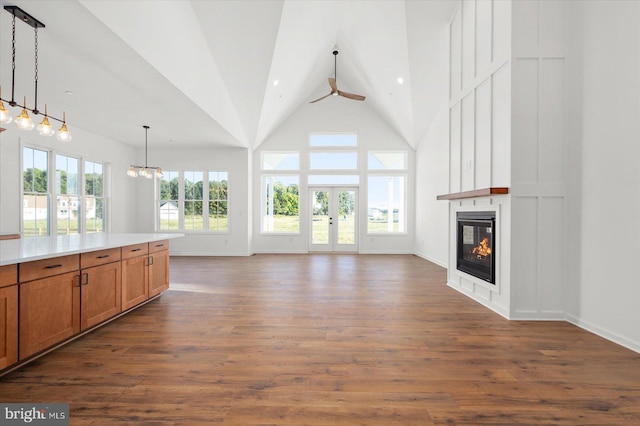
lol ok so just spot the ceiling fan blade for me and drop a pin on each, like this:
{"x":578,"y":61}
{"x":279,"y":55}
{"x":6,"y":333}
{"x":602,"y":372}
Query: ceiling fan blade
{"x":332,"y":83}
{"x":319,"y":99}
{"x":351,"y":96}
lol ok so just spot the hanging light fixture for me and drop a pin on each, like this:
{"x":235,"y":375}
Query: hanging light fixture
{"x":24,"y":121}
{"x":145,"y":171}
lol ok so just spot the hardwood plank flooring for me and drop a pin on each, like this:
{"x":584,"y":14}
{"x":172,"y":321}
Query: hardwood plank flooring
{"x":330,"y":339}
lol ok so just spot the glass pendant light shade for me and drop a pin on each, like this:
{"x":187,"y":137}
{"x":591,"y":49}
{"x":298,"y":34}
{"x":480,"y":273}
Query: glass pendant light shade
{"x":23,"y":121}
{"x":159,"y":173}
{"x":5,"y":117}
{"x":63,"y":133}
{"x":142,"y":172}
{"x":132,"y":172}
{"x":45,"y":128}
{"x":149,"y":174}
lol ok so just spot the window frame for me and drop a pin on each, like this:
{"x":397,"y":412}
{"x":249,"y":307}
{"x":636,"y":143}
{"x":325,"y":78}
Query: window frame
{"x":52,"y":191}
{"x":182,"y":200}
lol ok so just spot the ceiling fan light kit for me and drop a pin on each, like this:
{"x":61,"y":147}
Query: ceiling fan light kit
{"x":24,"y":121}
{"x":334,"y":85}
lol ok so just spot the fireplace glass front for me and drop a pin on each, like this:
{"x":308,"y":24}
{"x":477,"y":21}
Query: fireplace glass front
{"x":476,"y":249}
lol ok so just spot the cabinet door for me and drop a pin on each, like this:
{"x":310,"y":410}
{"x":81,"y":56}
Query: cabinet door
{"x":49,"y":312}
{"x":101,"y":294}
{"x":158,"y":272}
{"x":8,"y":326}
{"x":135,"y":281}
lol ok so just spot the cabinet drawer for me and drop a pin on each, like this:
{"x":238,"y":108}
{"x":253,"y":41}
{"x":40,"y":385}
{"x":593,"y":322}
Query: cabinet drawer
{"x":157,"y":246}
{"x":100,"y":257}
{"x":30,"y":271}
{"x":135,"y":250}
{"x":8,"y":275}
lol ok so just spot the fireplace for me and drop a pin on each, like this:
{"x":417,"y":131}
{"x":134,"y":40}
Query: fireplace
{"x":476,"y":244}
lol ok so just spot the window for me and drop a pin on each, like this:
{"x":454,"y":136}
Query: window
{"x":67,"y":195}
{"x":280,"y":198}
{"x":184,"y":203}
{"x":193,"y":201}
{"x":386,"y":204}
{"x":168,"y":206}
{"x":35,"y":192}
{"x":280,"y":204}
{"x":333,"y":161}
{"x":218,"y":190}
{"x":94,"y":197}
{"x":386,"y":212}
{"x":77,"y":186}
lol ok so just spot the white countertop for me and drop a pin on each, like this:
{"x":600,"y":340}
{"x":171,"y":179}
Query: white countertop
{"x":28,"y":249}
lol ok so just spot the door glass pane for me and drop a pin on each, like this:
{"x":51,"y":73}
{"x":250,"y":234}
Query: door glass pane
{"x":320,"y":218}
{"x":346,"y":217}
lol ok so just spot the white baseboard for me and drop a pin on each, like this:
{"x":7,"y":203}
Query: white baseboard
{"x":210,"y":254}
{"x":604,"y":333}
{"x":427,"y":258}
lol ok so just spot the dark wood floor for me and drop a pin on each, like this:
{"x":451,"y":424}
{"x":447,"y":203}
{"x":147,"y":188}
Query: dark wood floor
{"x":330,"y":339}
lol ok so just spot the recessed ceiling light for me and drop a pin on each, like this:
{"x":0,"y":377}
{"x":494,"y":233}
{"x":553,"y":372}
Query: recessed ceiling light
{"x":400,"y":80}
{"x":68,"y":92}
{"x":275,"y":83}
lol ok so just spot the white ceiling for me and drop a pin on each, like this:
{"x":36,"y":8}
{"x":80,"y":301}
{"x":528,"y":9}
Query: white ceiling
{"x":201,"y":73}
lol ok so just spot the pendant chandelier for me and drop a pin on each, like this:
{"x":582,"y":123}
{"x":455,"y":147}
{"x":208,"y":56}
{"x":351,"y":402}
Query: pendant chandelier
{"x":24,"y":121}
{"x":145,"y":171}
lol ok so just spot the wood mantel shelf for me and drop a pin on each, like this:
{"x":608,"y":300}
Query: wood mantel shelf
{"x":484,"y":192}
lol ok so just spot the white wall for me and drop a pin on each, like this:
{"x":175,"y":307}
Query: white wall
{"x":432,"y":179}
{"x":429,"y":50}
{"x":604,"y":295}
{"x":84,"y":144}
{"x":334,"y":115}
{"x":199,"y":243}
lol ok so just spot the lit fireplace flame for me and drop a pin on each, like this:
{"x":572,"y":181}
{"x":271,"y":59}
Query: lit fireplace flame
{"x":483,"y":250}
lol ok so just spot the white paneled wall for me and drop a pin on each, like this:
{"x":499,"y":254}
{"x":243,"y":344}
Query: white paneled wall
{"x":537,"y":160}
{"x":507,"y":129}
{"x":480,"y":96}
{"x":480,"y":132}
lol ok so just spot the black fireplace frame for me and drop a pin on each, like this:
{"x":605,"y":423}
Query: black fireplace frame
{"x":483,"y":219}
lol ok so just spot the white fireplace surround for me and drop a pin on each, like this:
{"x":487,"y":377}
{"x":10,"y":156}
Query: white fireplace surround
{"x":494,"y":296}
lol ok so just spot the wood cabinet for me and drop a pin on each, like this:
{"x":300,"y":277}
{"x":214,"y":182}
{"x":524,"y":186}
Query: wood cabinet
{"x":8,"y":315}
{"x":44,"y":303}
{"x":49,"y":303}
{"x":135,"y":275}
{"x":100,"y":286}
{"x":158,"y":267}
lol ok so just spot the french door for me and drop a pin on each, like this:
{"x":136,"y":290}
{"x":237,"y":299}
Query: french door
{"x":334,"y":217}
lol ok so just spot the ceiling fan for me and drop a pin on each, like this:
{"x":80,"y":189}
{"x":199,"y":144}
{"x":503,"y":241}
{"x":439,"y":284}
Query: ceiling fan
{"x":334,"y":86}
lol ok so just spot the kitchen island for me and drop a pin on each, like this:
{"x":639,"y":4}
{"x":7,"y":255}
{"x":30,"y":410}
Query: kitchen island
{"x":55,"y":289}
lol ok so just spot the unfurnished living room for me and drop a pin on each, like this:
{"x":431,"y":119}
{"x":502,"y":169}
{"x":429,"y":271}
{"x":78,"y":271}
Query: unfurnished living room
{"x":319,"y":212}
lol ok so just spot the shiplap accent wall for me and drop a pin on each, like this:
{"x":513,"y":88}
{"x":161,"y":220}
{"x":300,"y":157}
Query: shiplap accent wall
{"x":507,"y":129}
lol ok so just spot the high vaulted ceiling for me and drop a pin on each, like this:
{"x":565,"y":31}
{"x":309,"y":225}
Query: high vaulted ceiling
{"x":203,"y":72}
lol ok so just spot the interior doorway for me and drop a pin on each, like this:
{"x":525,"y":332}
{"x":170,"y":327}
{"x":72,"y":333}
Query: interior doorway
{"x":334,"y":219}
